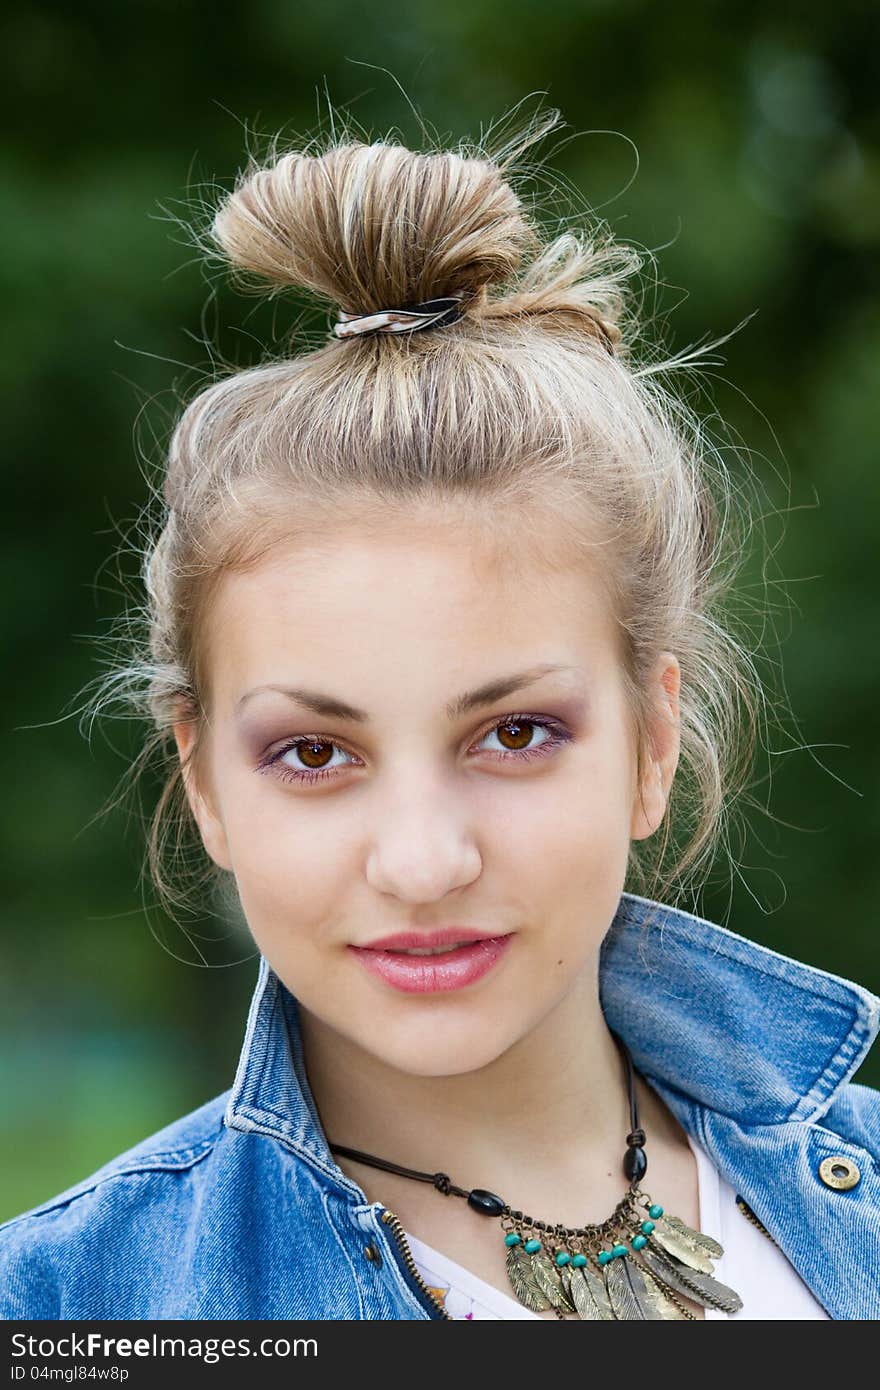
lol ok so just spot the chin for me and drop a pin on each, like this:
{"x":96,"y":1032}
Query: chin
{"x":468,"y":1051}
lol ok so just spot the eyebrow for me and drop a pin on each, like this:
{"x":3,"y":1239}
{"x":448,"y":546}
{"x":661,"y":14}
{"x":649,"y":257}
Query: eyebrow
{"x":329,"y":707}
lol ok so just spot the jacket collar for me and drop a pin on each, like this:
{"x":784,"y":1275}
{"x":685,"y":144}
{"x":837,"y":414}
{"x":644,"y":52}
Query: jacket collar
{"x":717,"y":1020}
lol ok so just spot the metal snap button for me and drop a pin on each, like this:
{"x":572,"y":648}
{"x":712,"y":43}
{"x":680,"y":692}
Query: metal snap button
{"x":372,"y":1254}
{"x":839,"y":1172}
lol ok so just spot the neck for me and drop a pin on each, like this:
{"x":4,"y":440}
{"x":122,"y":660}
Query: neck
{"x":549,"y":1115}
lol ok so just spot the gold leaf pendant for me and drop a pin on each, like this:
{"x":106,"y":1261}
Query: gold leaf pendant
{"x":521,"y":1273}
{"x":687,"y":1251}
{"x":589,"y":1295}
{"x":550,"y":1282}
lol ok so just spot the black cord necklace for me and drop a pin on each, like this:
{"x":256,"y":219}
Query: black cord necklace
{"x":634,"y":1266}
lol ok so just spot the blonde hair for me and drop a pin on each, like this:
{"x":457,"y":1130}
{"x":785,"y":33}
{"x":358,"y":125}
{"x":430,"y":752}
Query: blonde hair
{"x":544,"y":392}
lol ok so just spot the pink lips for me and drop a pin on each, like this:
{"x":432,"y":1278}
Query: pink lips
{"x":428,"y":974}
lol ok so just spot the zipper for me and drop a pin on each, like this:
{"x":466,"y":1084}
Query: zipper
{"x":389,"y":1218}
{"x":394,"y":1222}
{"x":750,"y":1216}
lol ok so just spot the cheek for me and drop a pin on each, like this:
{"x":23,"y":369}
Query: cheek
{"x":567,"y":821}
{"x":559,"y":848}
{"x":289,"y":865}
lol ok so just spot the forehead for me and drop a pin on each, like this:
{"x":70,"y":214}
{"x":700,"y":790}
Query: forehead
{"x":417,"y":597}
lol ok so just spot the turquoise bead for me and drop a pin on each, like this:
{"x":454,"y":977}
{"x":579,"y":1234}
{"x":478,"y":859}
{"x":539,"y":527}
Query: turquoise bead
{"x":647,"y":1227}
{"x":655,"y":1210}
{"x":578,"y":1260}
{"x":562,"y":1257}
{"x":532,"y":1246}
{"x":618,"y":1250}
{"x":512,"y":1238}
{"x":639,"y":1242}
{"x":604,"y":1256}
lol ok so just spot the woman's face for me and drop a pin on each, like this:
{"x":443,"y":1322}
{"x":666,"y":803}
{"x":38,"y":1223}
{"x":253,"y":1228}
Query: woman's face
{"x":411,"y":803}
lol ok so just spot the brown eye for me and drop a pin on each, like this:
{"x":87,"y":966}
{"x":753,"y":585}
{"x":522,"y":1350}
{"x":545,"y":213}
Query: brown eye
{"x":314,"y":754}
{"x":520,"y":737}
{"x":519,"y":732}
{"x":315,"y":759}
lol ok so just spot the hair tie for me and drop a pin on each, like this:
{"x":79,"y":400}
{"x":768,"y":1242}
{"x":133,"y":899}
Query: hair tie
{"x":433,"y":313}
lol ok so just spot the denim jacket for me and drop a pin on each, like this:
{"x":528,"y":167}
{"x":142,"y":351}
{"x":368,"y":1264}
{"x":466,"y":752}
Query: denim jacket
{"x":239,"y":1210}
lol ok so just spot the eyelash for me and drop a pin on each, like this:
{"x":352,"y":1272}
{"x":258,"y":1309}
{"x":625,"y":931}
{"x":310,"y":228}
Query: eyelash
{"x":558,"y":736}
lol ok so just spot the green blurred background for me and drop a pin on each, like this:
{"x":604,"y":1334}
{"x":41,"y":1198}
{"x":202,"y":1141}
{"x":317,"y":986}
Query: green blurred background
{"x":740,"y":142}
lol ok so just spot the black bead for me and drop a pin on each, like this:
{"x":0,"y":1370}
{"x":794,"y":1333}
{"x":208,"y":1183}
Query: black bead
{"x":635,"y":1163}
{"x":485,"y":1202}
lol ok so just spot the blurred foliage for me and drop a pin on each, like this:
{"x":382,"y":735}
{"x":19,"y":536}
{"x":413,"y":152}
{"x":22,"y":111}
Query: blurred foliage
{"x":738,"y":142}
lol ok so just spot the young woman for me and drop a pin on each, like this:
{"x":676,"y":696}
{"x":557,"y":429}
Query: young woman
{"x":436,"y":645}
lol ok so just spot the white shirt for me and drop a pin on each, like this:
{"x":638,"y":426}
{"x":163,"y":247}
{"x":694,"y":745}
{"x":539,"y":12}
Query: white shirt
{"x":769,"y":1286}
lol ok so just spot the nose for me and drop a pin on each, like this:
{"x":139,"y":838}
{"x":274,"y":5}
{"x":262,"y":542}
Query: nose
{"x":421,"y":846}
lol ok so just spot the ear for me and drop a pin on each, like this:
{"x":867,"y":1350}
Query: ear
{"x":209,"y":823}
{"x":649,"y":803}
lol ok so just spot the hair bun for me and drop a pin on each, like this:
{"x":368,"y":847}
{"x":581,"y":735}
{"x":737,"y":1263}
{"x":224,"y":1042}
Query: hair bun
{"x":372,"y":226}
